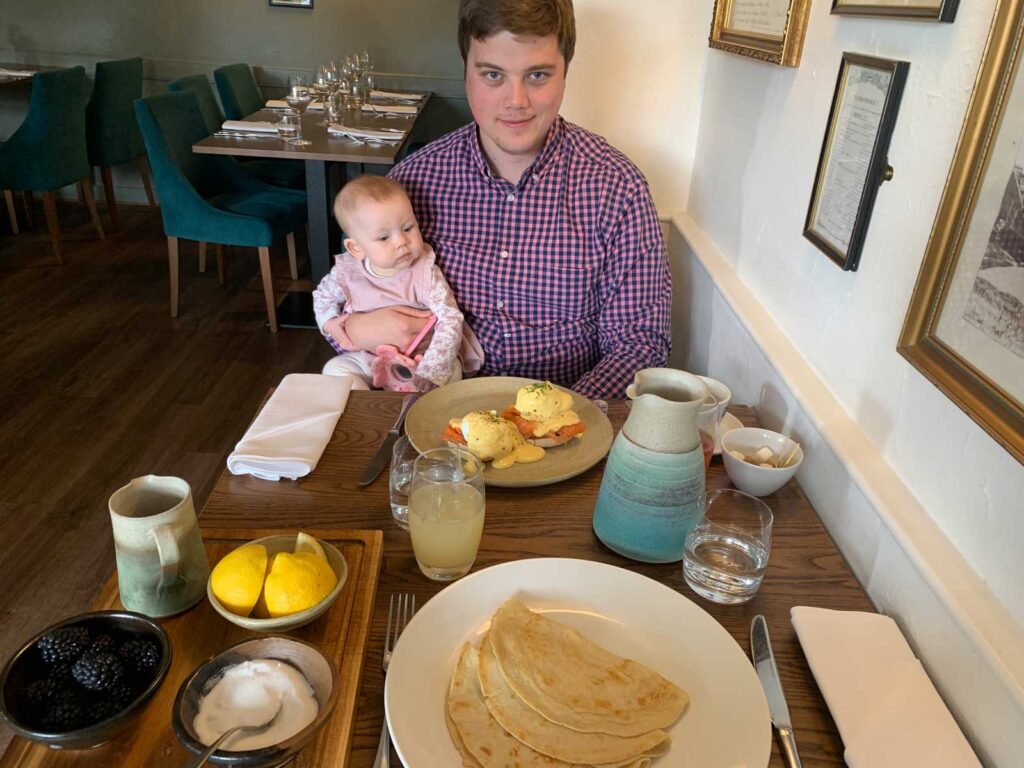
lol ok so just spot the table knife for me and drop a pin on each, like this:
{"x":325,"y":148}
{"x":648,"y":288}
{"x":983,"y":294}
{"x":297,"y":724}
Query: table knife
{"x":768,"y":674}
{"x":383,"y":455}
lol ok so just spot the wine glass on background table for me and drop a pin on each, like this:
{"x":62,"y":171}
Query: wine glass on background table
{"x":298,"y":99}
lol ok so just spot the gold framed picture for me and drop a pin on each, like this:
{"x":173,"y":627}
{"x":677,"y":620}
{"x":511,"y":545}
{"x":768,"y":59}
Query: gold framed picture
{"x":936,"y":10}
{"x":964,"y":328}
{"x":768,"y":30}
{"x":854,"y":158}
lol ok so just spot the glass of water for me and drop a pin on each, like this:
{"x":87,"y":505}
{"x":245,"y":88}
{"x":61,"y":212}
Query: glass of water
{"x":726,"y":553}
{"x":446,"y":512}
{"x":403,"y":454}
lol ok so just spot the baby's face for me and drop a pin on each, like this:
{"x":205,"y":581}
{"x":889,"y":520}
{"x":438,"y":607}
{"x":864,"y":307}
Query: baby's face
{"x":386,"y":233}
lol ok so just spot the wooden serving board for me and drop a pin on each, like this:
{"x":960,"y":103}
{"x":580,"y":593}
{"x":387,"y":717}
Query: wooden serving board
{"x":201,"y":633}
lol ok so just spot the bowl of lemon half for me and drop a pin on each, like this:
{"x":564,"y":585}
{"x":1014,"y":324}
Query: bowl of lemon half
{"x":277,"y":583}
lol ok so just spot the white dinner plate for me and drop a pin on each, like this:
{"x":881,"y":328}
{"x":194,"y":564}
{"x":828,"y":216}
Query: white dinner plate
{"x":726,"y":724}
{"x":727,"y":424}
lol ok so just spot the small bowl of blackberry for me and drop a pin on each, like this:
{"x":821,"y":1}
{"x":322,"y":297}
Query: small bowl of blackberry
{"x":82,"y":681}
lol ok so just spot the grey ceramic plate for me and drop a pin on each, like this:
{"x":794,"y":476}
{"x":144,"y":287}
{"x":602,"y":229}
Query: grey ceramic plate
{"x":431,"y":413}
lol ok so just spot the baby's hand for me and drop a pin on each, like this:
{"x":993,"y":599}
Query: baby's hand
{"x":335,"y":328}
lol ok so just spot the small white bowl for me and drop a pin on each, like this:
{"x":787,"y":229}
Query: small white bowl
{"x":721,"y":392}
{"x":750,"y":478}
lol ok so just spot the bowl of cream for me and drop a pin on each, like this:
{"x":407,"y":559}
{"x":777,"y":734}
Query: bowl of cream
{"x":244,"y":685}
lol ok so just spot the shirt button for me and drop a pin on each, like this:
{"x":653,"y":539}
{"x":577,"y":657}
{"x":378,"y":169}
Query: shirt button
{"x":536,"y":177}
{"x":504,"y":254}
{"x":511,"y":197}
{"x":507,"y":335}
{"x":501,"y":304}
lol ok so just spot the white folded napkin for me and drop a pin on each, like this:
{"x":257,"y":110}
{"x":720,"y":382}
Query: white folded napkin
{"x":249,"y":126}
{"x":395,"y":109}
{"x":282,"y":104}
{"x":885,"y":706}
{"x":16,"y":72}
{"x":336,"y":129}
{"x":290,"y":433}
{"x":395,"y":95}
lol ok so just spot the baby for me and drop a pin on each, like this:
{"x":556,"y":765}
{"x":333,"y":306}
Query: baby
{"x":386,"y":263}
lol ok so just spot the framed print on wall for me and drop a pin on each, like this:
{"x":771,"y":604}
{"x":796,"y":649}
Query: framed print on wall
{"x":854,"y":155}
{"x":936,"y":10}
{"x":769,"y":30}
{"x":964,"y":328}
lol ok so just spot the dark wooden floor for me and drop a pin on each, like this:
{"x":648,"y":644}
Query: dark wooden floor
{"x":99,"y":385}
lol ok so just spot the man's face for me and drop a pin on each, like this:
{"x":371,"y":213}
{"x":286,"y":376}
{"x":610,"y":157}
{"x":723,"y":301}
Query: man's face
{"x":515,"y":87}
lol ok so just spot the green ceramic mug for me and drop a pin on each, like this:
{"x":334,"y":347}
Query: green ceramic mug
{"x":162,"y":568}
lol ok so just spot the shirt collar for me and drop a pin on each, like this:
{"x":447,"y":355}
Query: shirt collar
{"x":547,"y":153}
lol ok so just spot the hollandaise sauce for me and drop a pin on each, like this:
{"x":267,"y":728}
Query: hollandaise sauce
{"x":549,"y":408}
{"x":491,"y":438}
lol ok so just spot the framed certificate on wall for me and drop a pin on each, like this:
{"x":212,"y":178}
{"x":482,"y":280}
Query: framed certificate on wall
{"x":854,"y":155}
{"x":769,"y":30}
{"x":936,"y":10}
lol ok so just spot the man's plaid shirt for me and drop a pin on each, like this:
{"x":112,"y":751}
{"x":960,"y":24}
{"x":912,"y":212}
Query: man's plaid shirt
{"x":562,"y":276}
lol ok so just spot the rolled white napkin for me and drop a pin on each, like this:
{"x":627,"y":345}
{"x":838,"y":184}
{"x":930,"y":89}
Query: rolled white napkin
{"x":336,"y":129}
{"x":394,"y":109}
{"x":290,"y":433}
{"x":16,"y":72}
{"x":282,"y":104}
{"x":885,"y":706}
{"x":249,"y":126}
{"x":398,"y":96}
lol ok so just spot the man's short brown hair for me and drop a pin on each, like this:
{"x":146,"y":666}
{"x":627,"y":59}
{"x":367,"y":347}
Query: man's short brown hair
{"x":368,"y":187}
{"x":480,"y":19}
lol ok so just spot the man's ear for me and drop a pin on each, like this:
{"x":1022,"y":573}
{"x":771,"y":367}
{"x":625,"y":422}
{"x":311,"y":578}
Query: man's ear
{"x":353,"y":248}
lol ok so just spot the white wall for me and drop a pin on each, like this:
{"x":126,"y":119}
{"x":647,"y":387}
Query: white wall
{"x":928,"y":509}
{"x":636,"y":80}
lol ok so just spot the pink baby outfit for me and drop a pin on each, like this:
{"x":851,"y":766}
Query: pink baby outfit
{"x":350,"y":287}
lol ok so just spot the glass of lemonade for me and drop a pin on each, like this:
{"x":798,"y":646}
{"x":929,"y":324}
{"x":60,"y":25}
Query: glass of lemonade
{"x":446,"y":512}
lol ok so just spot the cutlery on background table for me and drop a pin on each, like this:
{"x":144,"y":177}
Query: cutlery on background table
{"x":383,"y":455}
{"x":768,"y":674}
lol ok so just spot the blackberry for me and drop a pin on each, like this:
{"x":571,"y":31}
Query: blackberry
{"x":140,"y":655}
{"x":64,"y":713}
{"x":109,"y":703}
{"x":64,"y":644}
{"x":41,"y":692}
{"x":97,"y":671}
{"x":61,"y":674}
{"x":104,"y":643}
{"x":120,"y":694}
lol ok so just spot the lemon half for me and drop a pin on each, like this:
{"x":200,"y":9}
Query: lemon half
{"x":238,"y":578}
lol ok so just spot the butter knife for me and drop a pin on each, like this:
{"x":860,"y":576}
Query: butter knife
{"x":768,"y":674}
{"x":383,"y":455}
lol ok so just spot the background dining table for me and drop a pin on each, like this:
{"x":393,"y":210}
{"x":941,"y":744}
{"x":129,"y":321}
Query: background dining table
{"x":804,"y":568}
{"x":329,"y":162}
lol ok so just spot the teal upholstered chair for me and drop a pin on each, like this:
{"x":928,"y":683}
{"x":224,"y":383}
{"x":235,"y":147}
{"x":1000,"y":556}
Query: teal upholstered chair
{"x":111,"y":131}
{"x":48,"y":150}
{"x":238,"y":91}
{"x":210,"y":198}
{"x":280,"y":173}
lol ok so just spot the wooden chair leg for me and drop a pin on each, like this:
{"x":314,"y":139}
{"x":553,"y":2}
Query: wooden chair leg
{"x":172,"y":257}
{"x":268,"y":288}
{"x":50,"y":211}
{"x":85,"y":186}
{"x":144,"y":173}
{"x":108,"y":194}
{"x":220,"y":264}
{"x":28,"y":201}
{"x":11,"y":212}
{"x":202,"y":257}
{"x":292,"y":261}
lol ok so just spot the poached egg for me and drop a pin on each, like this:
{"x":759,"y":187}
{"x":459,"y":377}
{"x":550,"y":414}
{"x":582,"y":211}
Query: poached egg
{"x":491,"y":438}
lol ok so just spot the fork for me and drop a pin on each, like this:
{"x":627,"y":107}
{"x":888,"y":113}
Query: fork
{"x":406,"y":607}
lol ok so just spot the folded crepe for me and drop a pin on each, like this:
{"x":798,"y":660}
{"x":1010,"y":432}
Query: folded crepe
{"x":249,"y":126}
{"x":549,"y":738}
{"x":576,"y":683}
{"x":289,"y":435}
{"x":481,"y":741}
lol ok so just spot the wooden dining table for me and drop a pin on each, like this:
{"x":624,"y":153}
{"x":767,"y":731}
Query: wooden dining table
{"x":329,"y":161}
{"x":804,"y":568}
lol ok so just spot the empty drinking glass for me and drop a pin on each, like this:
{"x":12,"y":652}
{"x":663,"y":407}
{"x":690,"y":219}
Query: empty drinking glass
{"x":288,"y":127}
{"x":726,"y":553}
{"x":446,"y":512}
{"x":403,"y":454}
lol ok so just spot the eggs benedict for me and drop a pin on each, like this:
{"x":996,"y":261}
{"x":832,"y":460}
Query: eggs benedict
{"x":491,"y":438}
{"x":543,"y":415}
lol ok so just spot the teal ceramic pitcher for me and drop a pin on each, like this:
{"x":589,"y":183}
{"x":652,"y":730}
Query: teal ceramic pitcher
{"x":654,"y":477}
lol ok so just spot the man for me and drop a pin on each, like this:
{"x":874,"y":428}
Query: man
{"x":547,"y":234}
